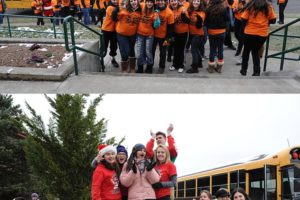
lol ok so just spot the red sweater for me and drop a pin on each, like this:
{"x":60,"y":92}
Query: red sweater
{"x":105,"y":184}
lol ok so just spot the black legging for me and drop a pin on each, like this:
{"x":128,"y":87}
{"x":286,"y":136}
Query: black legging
{"x":179,"y":44}
{"x":239,"y":34}
{"x":252,"y":43}
{"x":281,"y":11}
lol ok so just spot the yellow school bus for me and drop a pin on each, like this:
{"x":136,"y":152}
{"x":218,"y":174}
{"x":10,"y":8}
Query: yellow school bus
{"x":265,"y":177}
{"x":18,"y":4}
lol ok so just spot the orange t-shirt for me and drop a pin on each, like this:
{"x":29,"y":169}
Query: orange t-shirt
{"x":38,"y":6}
{"x":55,"y":3}
{"x":237,"y":5}
{"x":258,"y":25}
{"x":1,"y":9}
{"x":166,"y":17}
{"x":192,"y":26}
{"x":145,"y":27}
{"x":108,"y":23}
{"x":77,"y":2}
{"x":128,"y":22}
{"x":281,"y":1}
{"x":86,"y":2}
{"x":101,"y":3}
{"x":65,"y":3}
{"x":180,"y":26}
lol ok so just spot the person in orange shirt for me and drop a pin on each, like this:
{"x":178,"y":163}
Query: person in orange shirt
{"x":162,"y":35}
{"x":256,"y":17}
{"x":47,"y":9}
{"x":181,"y":29}
{"x":128,"y":20}
{"x":65,"y":9}
{"x":56,"y":6}
{"x":238,"y":29}
{"x":282,"y":4}
{"x":197,"y":16}
{"x":109,"y":31}
{"x":216,"y":21}
{"x":37,"y":6}
{"x":86,"y":11}
{"x":145,"y":34}
{"x":2,"y":10}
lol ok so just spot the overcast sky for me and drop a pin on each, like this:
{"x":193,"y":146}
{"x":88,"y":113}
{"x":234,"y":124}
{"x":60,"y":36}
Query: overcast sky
{"x":209,"y":130}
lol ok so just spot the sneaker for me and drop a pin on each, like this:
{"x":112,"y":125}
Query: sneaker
{"x":172,"y":68}
{"x":237,"y":53}
{"x":243,"y":73}
{"x":180,"y":70}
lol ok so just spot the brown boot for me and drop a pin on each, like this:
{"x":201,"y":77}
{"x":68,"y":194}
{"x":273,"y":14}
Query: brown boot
{"x":124,"y":66}
{"x":211,"y":67}
{"x":219,"y":66}
{"x":132,"y":63}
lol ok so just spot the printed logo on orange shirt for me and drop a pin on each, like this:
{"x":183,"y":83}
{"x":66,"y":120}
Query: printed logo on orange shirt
{"x":132,"y":20}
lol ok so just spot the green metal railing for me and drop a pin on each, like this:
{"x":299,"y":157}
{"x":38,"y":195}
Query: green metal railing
{"x":281,"y":55}
{"x":10,"y":30}
{"x":70,"y":20}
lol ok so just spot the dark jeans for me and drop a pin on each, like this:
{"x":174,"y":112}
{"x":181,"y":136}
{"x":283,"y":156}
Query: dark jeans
{"x":227,"y":40}
{"x":162,"y":51}
{"x":40,"y":20}
{"x":126,"y":46}
{"x":179,"y":44}
{"x":252,"y":43}
{"x":239,"y":34}
{"x":111,"y":37}
{"x":196,"y":44}
{"x":216,"y":46}
{"x":204,"y":42}
{"x":281,"y":11}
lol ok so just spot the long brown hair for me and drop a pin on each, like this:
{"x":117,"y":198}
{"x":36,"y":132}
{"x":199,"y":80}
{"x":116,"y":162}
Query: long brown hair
{"x":257,"y":6}
{"x":146,"y":10}
{"x":216,"y":8}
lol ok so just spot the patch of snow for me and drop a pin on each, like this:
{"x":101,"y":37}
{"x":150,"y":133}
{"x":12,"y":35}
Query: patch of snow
{"x":25,"y":29}
{"x":8,"y":71}
{"x":67,"y":55}
{"x":43,"y":49}
{"x":27,"y":45}
{"x":50,"y":67}
{"x":2,"y":47}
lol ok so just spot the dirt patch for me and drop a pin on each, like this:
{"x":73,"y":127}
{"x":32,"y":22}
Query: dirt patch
{"x":20,"y":55}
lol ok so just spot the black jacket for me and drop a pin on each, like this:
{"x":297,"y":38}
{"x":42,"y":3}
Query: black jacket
{"x":214,"y":21}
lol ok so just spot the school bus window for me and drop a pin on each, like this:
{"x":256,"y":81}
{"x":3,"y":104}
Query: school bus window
{"x":290,"y":181}
{"x":234,"y":176}
{"x":190,"y":188}
{"x":181,"y":189}
{"x":219,"y":181}
{"x":256,"y":186}
{"x":203,"y":184}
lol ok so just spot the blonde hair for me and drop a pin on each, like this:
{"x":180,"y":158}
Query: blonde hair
{"x":165,"y":148}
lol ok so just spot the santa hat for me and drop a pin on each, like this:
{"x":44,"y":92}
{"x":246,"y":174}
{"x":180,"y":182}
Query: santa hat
{"x":103,"y":149}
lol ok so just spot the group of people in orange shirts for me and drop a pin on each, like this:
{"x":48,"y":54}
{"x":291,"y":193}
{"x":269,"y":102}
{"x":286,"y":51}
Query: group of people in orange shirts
{"x":151,"y":23}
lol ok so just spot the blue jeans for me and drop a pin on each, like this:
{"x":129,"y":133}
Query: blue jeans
{"x":196,"y":44}
{"x":56,"y":14}
{"x":216,"y":46}
{"x":86,"y":16}
{"x":1,"y":18}
{"x":144,"y":50}
{"x":126,"y":46}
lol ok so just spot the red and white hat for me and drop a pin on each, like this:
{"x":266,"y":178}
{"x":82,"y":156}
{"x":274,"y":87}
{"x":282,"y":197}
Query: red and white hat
{"x":103,"y":149}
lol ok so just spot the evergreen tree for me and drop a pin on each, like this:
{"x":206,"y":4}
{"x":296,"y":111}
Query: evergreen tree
{"x":13,"y":170}
{"x":60,"y":155}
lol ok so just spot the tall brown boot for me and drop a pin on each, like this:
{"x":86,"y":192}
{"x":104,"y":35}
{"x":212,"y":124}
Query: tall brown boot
{"x":132,"y":63}
{"x":124,"y":66}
